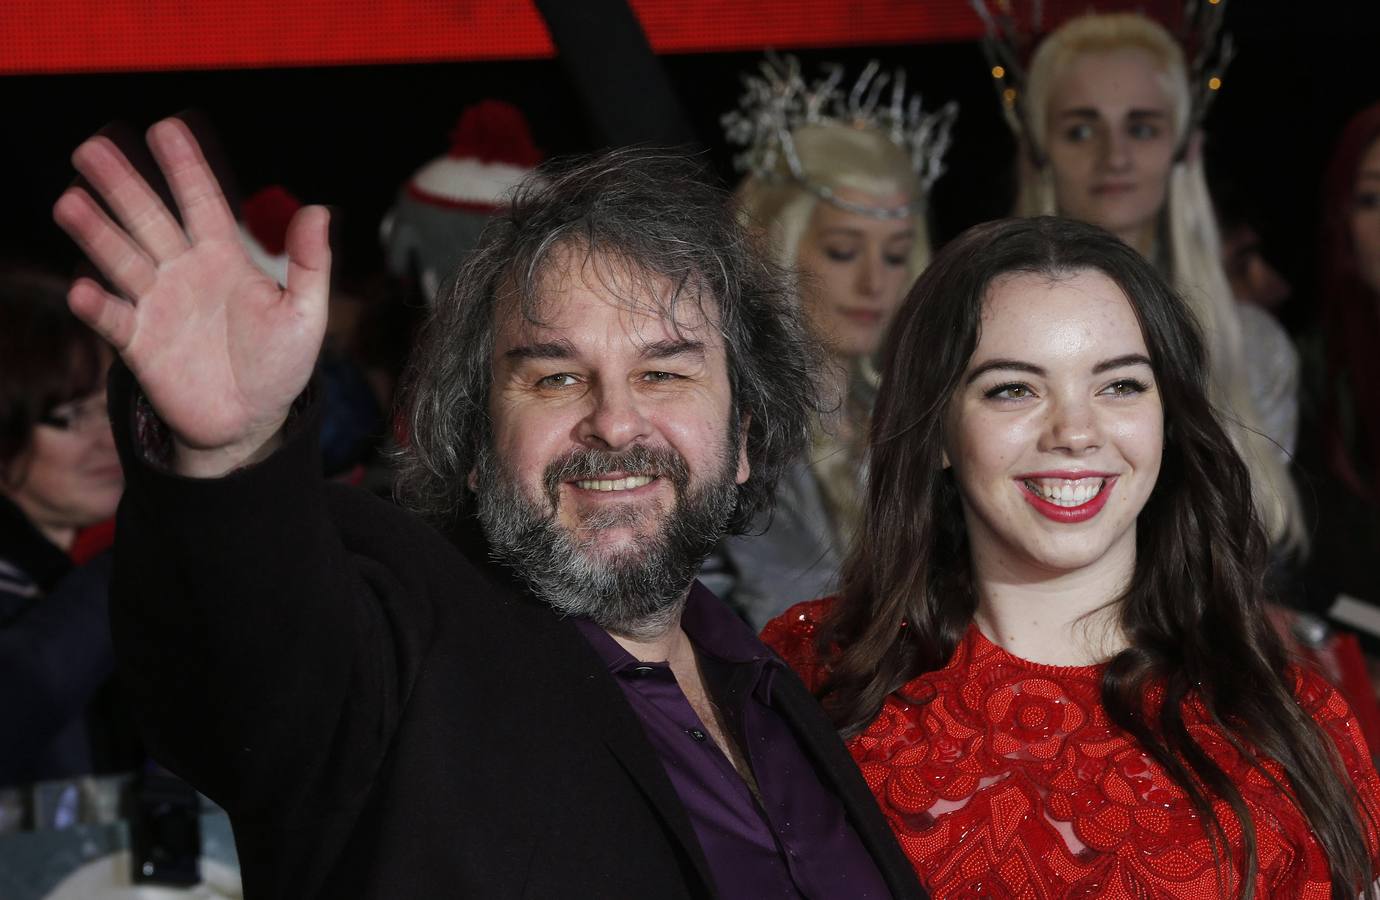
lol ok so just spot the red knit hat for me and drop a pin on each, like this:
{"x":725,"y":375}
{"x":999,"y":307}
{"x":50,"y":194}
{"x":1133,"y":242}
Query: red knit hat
{"x":491,"y":150}
{"x":264,"y":219}
{"x":441,"y":210}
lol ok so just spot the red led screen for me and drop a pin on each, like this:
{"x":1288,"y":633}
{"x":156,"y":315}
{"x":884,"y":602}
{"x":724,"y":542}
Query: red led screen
{"x":145,"y":35}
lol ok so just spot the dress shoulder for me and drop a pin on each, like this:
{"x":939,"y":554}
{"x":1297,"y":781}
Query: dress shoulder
{"x":792,"y":635}
{"x":1327,"y":707}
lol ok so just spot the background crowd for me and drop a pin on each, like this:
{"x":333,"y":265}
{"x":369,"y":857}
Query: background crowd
{"x":1273,"y":242}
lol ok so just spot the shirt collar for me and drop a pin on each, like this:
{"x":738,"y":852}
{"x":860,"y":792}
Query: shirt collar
{"x":707,"y":621}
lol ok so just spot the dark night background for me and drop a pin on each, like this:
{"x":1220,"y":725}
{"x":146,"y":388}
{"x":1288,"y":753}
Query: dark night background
{"x":349,"y":136}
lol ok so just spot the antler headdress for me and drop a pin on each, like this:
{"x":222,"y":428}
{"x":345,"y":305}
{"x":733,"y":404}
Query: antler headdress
{"x":780,"y":101}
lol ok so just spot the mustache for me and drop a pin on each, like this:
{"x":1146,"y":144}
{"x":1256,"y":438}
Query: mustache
{"x":583,"y":464}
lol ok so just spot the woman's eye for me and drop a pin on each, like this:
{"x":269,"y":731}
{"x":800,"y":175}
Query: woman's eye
{"x":1009,"y":392}
{"x":896,"y":260}
{"x":1144,"y":131}
{"x":840,"y":254}
{"x":1125,"y":387}
{"x":1367,"y":200}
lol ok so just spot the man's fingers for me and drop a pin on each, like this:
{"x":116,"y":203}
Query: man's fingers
{"x":136,"y":205}
{"x":109,"y":316}
{"x":309,"y":256}
{"x":104,"y":242}
{"x":204,"y":209}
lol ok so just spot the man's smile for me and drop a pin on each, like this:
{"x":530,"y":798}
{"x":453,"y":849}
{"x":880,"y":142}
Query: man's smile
{"x":614,"y":483}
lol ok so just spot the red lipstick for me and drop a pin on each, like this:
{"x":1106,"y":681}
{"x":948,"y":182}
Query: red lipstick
{"x":1068,"y":515}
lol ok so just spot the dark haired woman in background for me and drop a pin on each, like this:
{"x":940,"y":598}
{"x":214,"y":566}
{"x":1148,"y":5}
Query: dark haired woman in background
{"x":58,"y":474}
{"x":1340,"y":451}
{"x":1049,"y":649}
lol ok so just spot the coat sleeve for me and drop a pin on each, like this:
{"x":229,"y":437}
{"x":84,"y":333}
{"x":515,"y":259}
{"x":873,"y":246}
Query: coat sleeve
{"x":268,"y":626}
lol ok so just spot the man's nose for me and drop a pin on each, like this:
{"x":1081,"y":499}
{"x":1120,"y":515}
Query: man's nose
{"x":1116,"y":151}
{"x":615,"y":418}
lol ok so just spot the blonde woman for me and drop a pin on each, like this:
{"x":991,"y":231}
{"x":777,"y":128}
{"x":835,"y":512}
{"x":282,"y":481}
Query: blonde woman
{"x":1110,"y":138}
{"x":838,"y":197}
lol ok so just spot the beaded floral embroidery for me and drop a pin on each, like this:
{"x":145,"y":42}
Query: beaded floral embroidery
{"x":1010,"y":782}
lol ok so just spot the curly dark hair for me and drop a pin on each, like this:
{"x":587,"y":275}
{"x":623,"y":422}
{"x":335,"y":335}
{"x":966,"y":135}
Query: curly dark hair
{"x":1193,"y":614}
{"x":655,"y":213}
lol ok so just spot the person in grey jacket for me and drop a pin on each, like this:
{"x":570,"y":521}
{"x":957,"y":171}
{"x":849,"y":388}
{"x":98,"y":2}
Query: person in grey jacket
{"x":836,"y":184}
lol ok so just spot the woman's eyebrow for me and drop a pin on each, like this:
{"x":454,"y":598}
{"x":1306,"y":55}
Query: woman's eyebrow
{"x":1016,"y":365}
{"x":1012,"y":364}
{"x":1117,"y":362}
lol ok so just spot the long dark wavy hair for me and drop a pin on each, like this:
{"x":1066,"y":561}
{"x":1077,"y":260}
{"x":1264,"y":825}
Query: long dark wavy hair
{"x":655,"y":216}
{"x":1193,"y":615}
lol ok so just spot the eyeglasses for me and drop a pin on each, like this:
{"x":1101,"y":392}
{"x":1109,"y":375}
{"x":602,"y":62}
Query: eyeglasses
{"x":79,"y":416}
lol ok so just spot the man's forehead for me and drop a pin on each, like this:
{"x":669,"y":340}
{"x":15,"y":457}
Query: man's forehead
{"x":583,"y":292}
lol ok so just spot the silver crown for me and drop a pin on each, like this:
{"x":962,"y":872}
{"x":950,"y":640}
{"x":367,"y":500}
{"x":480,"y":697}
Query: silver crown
{"x":780,"y":101}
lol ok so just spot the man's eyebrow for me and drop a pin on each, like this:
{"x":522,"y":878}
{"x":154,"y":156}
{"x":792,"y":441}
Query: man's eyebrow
{"x":1016,"y":365}
{"x":1117,"y":362}
{"x":672,"y":348}
{"x":543,"y":350}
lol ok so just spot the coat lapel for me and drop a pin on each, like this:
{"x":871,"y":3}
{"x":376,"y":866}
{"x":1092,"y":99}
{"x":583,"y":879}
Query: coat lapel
{"x":834,"y":764}
{"x":580,"y":675}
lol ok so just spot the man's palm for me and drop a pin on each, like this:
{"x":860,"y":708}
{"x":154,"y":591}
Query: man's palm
{"x":219,"y":349}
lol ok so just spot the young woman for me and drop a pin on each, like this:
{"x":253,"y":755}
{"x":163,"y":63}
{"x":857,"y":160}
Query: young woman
{"x":850,"y":220}
{"x":1111,"y":139}
{"x":1049,"y":648}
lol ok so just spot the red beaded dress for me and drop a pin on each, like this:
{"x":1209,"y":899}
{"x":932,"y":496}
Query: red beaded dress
{"x":1012,"y":783}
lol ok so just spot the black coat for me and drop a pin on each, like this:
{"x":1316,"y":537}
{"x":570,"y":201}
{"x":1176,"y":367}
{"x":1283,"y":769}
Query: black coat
{"x":382,"y":718}
{"x":59,"y":713}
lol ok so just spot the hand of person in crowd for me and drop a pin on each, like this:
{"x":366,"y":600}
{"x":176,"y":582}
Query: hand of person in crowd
{"x":220,"y":350}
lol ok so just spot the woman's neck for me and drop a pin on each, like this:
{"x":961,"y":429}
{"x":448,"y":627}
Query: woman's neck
{"x":1066,"y":619}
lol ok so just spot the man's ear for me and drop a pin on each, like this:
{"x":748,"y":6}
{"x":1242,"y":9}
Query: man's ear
{"x":744,"y":467}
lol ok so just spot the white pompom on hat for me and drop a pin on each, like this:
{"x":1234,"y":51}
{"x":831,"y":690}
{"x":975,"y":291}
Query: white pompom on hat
{"x":491,"y":151}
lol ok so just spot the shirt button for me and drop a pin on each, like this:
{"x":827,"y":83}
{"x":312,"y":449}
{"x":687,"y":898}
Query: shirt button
{"x":642,"y":671}
{"x":696,"y":734}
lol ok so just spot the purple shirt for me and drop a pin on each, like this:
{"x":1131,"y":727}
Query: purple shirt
{"x":797,"y":843}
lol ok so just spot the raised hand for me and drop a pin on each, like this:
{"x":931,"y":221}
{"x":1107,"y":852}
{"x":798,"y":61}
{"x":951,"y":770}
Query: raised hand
{"x":220,"y":350}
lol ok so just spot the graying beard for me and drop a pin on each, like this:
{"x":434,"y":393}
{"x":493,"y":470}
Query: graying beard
{"x":637,"y":593}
